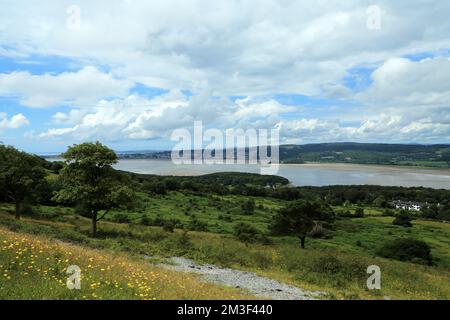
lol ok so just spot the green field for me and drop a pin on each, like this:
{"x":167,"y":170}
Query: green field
{"x":336,"y":265}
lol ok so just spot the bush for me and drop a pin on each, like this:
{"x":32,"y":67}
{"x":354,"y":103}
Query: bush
{"x":359,"y":213}
{"x":407,"y":249}
{"x":248,"y":234}
{"x":346,"y":214}
{"x":403,"y":220}
{"x":319,"y":232}
{"x":169,"y":225}
{"x":248,"y":206}
{"x":342,"y":270}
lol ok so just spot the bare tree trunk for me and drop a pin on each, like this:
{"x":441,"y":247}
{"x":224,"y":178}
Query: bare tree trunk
{"x":302,"y":241}
{"x":94,"y":225}
{"x":18,"y":207}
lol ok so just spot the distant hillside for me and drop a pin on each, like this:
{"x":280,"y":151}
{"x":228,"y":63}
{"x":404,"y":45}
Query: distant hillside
{"x":348,"y":152}
{"x":368,"y":153}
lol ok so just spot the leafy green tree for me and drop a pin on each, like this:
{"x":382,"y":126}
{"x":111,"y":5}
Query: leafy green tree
{"x":403,"y":219}
{"x":444,"y":212}
{"x":299,"y":218}
{"x":89,"y":180}
{"x":20,"y":173}
{"x":380,"y":202}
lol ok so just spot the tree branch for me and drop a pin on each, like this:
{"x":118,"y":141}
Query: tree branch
{"x":103,"y":215}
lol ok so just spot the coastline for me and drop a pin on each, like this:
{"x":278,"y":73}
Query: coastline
{"x":374,"y":167}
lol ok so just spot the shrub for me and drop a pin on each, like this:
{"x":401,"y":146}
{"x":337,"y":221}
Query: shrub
{"x":359,"y":213}
{"x":407,"y":249}
{"x":248,"y":206}
{"x":403,"y":220}
{"x":169,"y":225}
{"x":319,"y":232}
{"x":342,"y":270}
{"x":245,"y":232}
{"x":346,"y":214}
{"x":248,"y":234}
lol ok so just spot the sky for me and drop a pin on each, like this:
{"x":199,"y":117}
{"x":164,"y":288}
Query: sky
{"x":129,"y":73}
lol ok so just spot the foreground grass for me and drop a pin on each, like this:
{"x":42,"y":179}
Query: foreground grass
{"x":33,"y":267}
{"x":336,"y":266}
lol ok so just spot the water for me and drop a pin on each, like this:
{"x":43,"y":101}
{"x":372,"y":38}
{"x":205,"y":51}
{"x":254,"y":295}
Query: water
{"x":308,"y":174}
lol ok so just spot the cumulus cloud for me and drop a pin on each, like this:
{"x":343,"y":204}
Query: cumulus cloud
{"x":414,"y":94}
{"x":238,"y":48}
{"x":253,"y":50}
{"x":136,"y":117}
{"x":15,"y":122}
{"x":81,"y":87}
{"x":400,"y":81}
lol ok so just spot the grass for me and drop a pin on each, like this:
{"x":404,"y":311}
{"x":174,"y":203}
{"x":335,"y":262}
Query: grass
{"x":336,"y":266}
{"x":219,"y":212}
{"x":33,"y":267}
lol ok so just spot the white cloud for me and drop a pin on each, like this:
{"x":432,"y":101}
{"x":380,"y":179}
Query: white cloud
{"x":400,"y":81}
{"x":381,"y":128}
{"x":414,"y":94}
{"x":80,"y":88}
{"x":233,"y":48}
{"x":237,"y":48}
{"x":15,"y":122}
{"x":136,"y":117}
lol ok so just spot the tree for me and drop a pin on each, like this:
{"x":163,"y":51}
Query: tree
{"x":380,"y":202}
{"x":300,"y":218}
{"x":89,"y":180}
{"x":20,"y":173}
{"x":403,"y":219}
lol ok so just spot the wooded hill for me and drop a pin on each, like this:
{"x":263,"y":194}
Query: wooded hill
{"x":437,"y":155}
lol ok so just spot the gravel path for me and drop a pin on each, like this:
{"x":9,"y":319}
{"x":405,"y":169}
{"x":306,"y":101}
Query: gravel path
{"x":257,"y":285}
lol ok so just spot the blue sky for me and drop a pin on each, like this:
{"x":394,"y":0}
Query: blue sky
{"x":130,"y":74}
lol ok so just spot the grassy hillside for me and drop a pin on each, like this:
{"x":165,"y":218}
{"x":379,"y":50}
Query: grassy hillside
{"x":336,"y":265}
{"x":34,"y":267}
{"x":368,"y":153}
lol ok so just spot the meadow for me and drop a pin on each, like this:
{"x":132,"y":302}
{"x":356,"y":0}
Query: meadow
{"x":335,"y":264}
{"x":34,"y":267}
